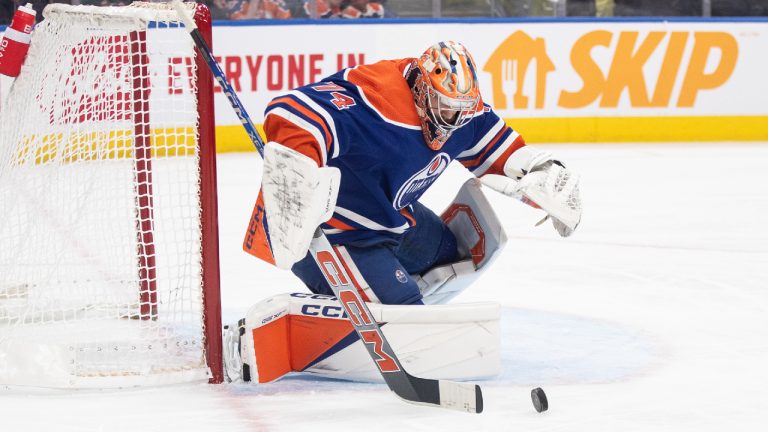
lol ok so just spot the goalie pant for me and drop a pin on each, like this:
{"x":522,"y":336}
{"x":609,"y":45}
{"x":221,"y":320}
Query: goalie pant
{"x":381,"y":268}
{"x":436,"y":260}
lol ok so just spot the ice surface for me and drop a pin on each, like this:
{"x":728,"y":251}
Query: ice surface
{"x":653,"y":316}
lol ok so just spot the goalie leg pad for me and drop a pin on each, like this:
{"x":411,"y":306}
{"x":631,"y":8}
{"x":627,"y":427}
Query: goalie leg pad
{"x":310,"y":333}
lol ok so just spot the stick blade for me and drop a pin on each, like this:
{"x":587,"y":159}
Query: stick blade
{"x":464,"y":397}
{"x":461,"y":396}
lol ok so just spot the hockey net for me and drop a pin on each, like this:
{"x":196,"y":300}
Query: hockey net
{"x":108,"y":241}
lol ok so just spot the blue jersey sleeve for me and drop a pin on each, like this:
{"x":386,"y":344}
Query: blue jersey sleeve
{"x":492,"y":144}
{"x":313,"y":114}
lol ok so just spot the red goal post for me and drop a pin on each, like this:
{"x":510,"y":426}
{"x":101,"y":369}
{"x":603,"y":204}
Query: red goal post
{"x":109,"y":270}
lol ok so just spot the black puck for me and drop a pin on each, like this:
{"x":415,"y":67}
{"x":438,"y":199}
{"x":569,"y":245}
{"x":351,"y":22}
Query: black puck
{"x":539,"y":399}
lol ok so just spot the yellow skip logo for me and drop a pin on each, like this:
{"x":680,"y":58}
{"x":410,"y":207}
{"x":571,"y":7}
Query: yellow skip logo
{"x":519,"y":52}
{"x":510,"y":62}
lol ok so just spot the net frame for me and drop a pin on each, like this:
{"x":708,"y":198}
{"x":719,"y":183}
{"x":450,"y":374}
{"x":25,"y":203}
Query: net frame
{"x":142,"y":148}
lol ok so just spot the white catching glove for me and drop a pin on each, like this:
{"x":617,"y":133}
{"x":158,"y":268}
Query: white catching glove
{"x":544,"y":183}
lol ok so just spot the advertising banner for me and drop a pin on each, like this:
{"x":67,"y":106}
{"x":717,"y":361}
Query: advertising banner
{"x":553,"y":81}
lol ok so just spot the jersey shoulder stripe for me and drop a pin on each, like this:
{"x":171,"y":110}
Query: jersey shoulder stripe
{"x":291,"y":130}
{"x":483,"y":142}
{"x":297,"y":111}
{"x":328,"y":117}
{"x":382,"y":87}
{"x":478,"y":157}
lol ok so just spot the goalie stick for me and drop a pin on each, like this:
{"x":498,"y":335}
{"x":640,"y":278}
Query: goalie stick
{"x":439,"y":393}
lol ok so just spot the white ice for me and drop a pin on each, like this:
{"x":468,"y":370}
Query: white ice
{"x":653,"y":316}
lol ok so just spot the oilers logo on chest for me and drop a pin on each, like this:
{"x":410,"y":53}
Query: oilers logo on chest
{"x":415,"y":186}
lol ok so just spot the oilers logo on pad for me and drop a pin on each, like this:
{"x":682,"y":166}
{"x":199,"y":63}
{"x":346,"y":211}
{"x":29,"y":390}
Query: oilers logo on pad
{"x":415,"y":186}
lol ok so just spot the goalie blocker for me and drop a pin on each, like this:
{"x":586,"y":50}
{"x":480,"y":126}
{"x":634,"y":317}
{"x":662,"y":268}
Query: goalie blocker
{"x":305,"y":332}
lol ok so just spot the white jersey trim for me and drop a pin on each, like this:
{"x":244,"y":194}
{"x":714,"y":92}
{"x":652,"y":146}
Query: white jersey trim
{"x":320,"y":110}
{"x":477,"y":148}
{"x":479,"y":171}
{"x":300,"y":122}
{"x":367,"y":102}
{"x":364,"y":221}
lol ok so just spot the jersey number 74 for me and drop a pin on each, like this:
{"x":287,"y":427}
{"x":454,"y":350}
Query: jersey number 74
{"x":340,"y":100}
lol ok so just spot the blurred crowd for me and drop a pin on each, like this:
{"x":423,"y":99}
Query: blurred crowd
{"x":362,"y":9}
{"x":282,"y":9}
{"x":242,"y":9}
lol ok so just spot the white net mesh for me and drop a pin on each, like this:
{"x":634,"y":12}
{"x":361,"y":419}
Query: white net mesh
{"x":100,"y":264}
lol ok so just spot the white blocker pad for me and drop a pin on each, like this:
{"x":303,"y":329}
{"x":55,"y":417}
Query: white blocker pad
{"x":298,"y":197}
{"x":480,"y":238}
{"x":304,"y":332}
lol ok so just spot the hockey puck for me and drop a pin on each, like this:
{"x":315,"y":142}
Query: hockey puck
{"x":539,"y":399}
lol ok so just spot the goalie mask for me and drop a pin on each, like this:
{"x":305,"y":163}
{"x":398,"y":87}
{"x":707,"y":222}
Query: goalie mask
{"x":444,"y":86}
